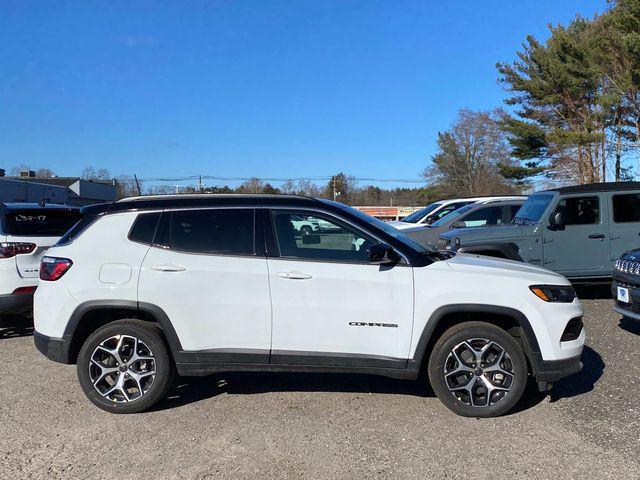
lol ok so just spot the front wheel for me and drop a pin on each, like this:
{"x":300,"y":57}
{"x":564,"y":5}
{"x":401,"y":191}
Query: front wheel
{"x":478,"y":370}
{"x":125,"y":367}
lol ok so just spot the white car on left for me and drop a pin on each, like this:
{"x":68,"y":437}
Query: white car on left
{"x":27,"y":230}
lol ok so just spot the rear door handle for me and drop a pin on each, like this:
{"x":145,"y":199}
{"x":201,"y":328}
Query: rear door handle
{"x":294,"y":276}
{"x":168,"y":268}
{"x":596,"y":235}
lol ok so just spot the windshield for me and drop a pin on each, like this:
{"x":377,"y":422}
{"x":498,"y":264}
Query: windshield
{"x":533,"y":208}
{"x":453,"y":215}
{"x":386,"y":228}
{"x":40,"y":222}
{"x":415,"y":217}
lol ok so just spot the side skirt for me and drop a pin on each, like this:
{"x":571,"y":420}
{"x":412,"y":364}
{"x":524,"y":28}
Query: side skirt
{"x":208,"y":362}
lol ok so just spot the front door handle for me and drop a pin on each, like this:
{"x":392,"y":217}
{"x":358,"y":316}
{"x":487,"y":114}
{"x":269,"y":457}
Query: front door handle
{"x":596,"y":235}
{"x":294,"y":276}
{"x":168,"y":268}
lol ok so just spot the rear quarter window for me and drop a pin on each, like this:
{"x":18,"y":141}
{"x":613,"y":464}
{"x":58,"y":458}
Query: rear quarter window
{"x":144,"y":228}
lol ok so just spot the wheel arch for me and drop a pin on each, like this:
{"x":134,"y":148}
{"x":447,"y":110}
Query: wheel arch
{"x":511,"y":320}
{"x":91,"y":315}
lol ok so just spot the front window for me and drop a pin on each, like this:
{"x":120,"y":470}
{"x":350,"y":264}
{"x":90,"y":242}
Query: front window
{"x":417,"y":216}
{"x":579,"y":210}
{"x":532,"y":210}
{"x":484,"y":216}
{"x":385,"y":227}
{"x":335,"y":242}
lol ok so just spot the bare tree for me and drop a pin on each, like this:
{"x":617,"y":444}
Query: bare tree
{"x":90,"y":173}
{"x":45,"y":173}
{"x":126,"y":186}
{"x":469,"y":155}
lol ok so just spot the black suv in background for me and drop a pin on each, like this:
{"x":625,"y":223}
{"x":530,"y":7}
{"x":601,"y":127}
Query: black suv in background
{"x":626,"y":285}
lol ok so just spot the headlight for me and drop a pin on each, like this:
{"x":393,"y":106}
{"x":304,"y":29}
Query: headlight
{"x":554,"y":293}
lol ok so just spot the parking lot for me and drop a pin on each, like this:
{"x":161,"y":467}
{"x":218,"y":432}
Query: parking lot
{"x":323,"y":426}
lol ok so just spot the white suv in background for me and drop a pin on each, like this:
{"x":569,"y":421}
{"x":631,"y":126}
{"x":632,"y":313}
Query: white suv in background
{"x":26,"y":231}
{"x":437,"y":210}
{"x":212,"y":283}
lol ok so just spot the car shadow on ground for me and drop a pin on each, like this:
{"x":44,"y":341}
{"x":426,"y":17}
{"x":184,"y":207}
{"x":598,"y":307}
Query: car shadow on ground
{"x":582,"y":382}
{"x":630,"y":325}
{"x":187,"y":390}
{"x":15,"y":326}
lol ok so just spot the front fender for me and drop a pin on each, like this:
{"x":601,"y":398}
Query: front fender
{"x":507,"y":251}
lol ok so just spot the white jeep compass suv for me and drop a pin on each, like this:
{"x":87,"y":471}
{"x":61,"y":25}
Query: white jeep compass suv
{"x":26,"y":231}
{"x":209,"y":283}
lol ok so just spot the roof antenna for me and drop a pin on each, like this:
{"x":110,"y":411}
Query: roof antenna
{"x":137,"y":184}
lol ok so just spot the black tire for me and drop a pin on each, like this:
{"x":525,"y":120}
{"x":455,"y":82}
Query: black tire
{"x":491,"y":404}
{"x":149,"y":337}
{"x":306,"y":230}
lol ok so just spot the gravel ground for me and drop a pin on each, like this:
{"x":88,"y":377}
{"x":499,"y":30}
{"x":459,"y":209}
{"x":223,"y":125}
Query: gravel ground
{"x":323,"y":426}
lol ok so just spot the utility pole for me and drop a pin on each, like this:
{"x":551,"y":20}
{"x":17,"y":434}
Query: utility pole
{"x":200,"y":184}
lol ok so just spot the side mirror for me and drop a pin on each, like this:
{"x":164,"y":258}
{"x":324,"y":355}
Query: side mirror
{"x":556,"y":222}
{"x":458,"y":224}
{"x":430,"y":220}
{"x":383,"y":254}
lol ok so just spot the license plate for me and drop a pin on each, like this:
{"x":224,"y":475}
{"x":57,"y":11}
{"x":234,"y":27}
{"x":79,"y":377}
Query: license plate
{"x":623,"y":294}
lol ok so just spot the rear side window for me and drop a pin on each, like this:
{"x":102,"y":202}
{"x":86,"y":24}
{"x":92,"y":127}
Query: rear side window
{"x":626,"y":208}
{"x":144,"y":228}
{"x":213,"y":231}
{"x":40,"y":222}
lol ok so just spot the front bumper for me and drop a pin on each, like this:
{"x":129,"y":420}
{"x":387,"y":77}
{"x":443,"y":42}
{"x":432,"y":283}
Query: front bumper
{"x":18,"y":303}
{"x":56,"y":349}
{"x":631,"y":309}
{"x":553,"y":370}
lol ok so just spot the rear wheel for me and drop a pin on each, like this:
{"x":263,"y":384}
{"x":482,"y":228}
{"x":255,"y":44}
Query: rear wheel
{"x":306,"y":230}
{"x":125,"y":367}
{"x":478,"y":370}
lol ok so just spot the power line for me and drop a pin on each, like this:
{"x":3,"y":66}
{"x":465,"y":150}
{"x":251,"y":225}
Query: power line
{"x":199,"y":178}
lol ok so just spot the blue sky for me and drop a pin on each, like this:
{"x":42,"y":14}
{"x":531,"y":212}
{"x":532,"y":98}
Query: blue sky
{"x":263,"y":88}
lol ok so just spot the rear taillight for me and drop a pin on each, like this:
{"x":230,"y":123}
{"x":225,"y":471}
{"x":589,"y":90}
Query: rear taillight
{"x":52,"y":268}
{"x":11,"y":249}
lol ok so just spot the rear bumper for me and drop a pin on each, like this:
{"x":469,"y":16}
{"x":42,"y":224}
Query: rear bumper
{"x":16,"y":303}
{"x":56,"y":349}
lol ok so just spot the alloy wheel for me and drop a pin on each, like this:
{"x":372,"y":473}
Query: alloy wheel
{"x":479,"y":372}
{"x":122,"y":368}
